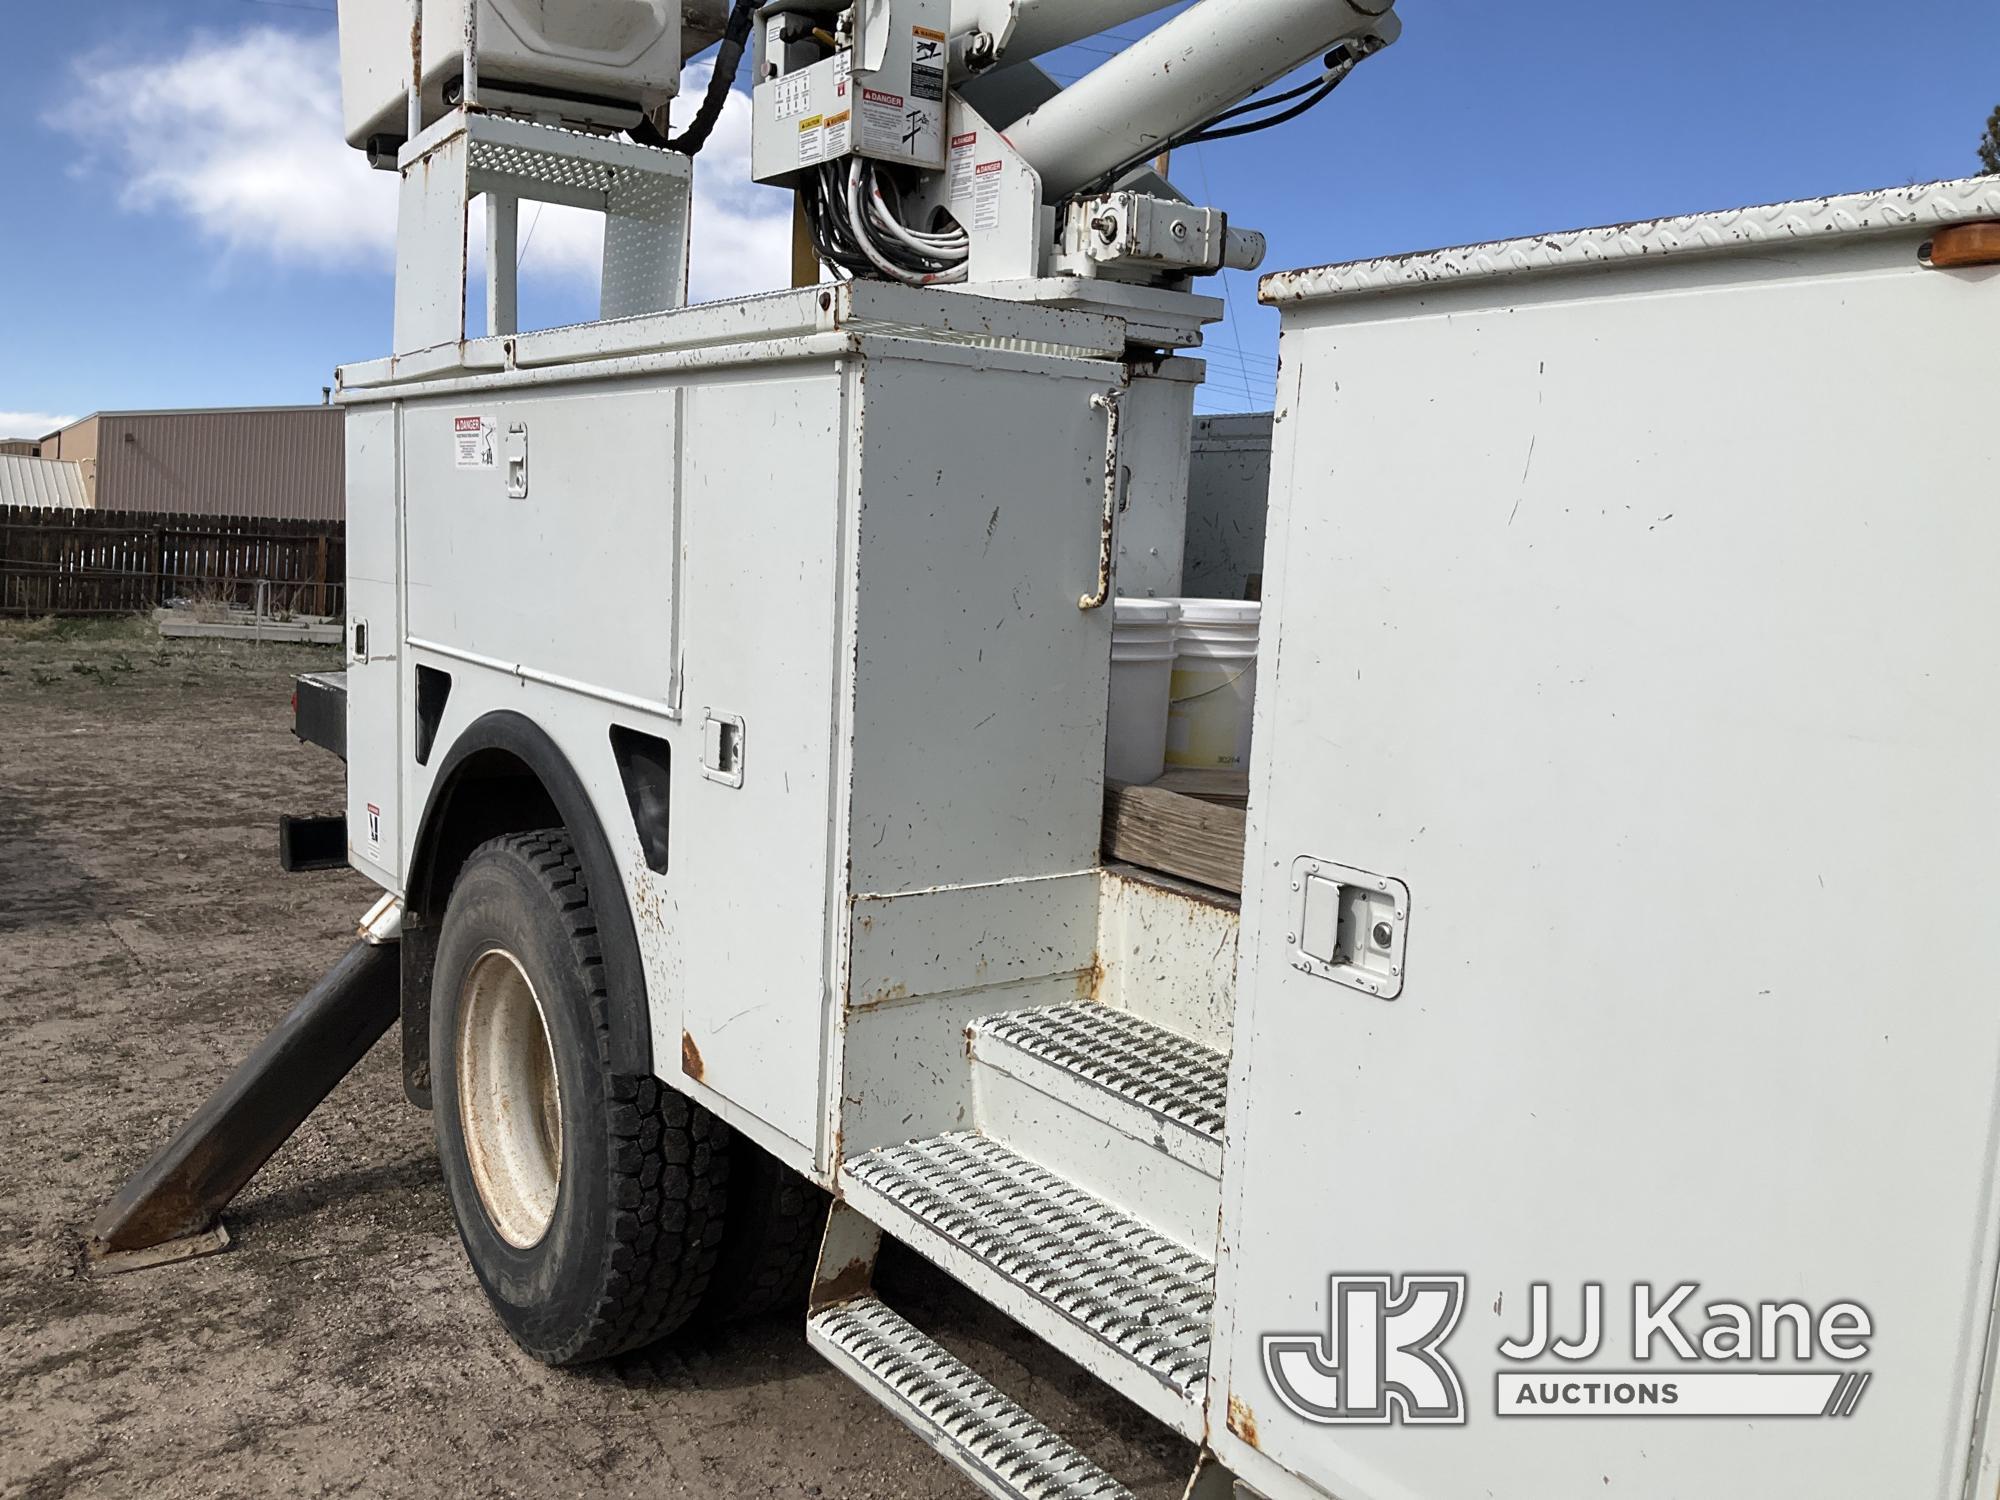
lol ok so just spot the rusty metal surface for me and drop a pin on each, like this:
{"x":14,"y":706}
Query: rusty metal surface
{"x":186,"y":1184}
{"x":166,"y":1253}
{"x":846,"y":1266}
{"x":1169,"y":953}
{"x":1108,"y":401}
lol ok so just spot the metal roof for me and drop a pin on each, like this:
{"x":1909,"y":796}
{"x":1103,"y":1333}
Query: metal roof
{"x":1907,"y":208}
{"x":46,"y":482}
{"x":190,"y":411}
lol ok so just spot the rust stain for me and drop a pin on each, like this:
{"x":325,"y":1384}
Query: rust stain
{"x":1243,"y":1421}
{"x":1090,"y":981}
{"x":855,"y":1279}
{"x":1108,"y":402}
{"x":690,"y":1058}
{"x":893,"y":992}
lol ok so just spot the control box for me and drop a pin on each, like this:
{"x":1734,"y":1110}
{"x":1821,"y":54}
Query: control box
{"x":598,"y":65}
{"x":864,"y":81}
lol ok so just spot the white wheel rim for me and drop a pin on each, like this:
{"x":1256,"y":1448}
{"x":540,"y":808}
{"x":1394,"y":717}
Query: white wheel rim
{"x":509,"y":1098}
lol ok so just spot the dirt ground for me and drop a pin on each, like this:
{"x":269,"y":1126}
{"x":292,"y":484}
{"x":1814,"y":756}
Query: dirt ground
{"x":341,"y":1347}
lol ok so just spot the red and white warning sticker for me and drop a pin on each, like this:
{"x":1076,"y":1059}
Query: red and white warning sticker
{"x":958,"y":167}
{"x":986,"y":195}
{"x":472,"y":443}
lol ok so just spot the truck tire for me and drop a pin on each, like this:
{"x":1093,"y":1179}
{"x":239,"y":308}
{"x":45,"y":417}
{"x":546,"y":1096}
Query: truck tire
{"x":771,"y":1244}
{"x":590,"y":1204}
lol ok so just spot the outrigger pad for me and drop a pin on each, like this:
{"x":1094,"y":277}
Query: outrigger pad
{"x":179,"y":1195}
{"x":115,"y":1262}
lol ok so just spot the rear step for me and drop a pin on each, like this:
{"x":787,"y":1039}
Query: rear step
{"x":1003,"y":1449}
{"x":1153,"y":1084}
{"x":1115,"y":1295}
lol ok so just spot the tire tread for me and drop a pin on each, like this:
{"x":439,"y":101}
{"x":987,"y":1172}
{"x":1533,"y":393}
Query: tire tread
{"x":668,"y":1158}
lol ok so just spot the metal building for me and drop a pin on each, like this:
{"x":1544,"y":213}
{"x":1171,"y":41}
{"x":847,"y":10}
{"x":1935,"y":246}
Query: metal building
{"x":41,"y":482}
{"x":285,"y":462}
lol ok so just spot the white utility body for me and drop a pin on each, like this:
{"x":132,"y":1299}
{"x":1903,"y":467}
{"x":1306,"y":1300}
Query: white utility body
{"x":1634,"y":604}
{"x":1616,"y":874}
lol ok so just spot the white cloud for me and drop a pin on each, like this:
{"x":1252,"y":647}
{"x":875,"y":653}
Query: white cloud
{"x":31,"y":424}
{"x":240,"y":136}
{"x":742,"y":231}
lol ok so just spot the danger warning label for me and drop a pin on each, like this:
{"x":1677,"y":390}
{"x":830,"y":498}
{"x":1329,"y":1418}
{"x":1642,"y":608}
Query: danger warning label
{"x":986,"y":195}
{"x":958,"y":167}
{"x":472,"y":443}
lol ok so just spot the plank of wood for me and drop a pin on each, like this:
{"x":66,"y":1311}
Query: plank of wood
{"x":1174,"y":834}
{"x":1209,"y":784}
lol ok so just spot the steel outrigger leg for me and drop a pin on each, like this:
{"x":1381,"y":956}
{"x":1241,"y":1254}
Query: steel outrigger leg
{"x":171,"y":1207}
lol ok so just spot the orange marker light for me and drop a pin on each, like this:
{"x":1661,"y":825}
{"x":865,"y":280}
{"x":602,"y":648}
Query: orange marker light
{"x":1963,"y":245}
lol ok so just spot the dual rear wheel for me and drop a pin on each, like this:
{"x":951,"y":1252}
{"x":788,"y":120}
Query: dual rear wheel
{"x":600,"y":1212}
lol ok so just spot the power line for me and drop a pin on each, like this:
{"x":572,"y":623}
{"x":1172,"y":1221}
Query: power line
{"x":528,"y":238}
{"x":1222,"y":274}
{"x":1249,"y":358}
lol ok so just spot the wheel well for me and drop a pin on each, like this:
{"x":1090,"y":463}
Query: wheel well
{"x":505,"y":775}
{"x":490,"y":792}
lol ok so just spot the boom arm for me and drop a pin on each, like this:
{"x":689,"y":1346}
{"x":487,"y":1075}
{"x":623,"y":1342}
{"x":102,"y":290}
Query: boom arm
{"x":1198,"y":64}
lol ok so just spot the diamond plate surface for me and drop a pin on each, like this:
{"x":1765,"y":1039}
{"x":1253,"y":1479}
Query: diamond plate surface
{"x":1144,"y":1064}
{"x":1130,"y":1286}
{"x":551,"y":167}
{"x":1928,"y":204}
{"x":969,"y":338}
{"x":1002,"y":1446}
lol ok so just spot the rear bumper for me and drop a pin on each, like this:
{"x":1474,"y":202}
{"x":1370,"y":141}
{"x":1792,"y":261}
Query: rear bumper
{"x":319,"y":710}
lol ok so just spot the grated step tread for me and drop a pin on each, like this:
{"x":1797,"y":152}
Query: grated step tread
{"x":1143,"y":1063}
{"x":1145,"y":1295}
{"x":1008,"y":1451}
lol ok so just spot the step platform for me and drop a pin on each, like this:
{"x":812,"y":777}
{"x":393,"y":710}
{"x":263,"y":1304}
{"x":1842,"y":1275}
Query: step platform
{"x":1001,"y":1447}
{"x":1120,"y":1069}
{"x":1111,"y":1292}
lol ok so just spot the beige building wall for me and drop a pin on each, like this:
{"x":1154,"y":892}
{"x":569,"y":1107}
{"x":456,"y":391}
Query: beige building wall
{"x":285,"y":462}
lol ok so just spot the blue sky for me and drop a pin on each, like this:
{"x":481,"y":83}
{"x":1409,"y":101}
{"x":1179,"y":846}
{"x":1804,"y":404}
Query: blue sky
{"x":179,"y":224}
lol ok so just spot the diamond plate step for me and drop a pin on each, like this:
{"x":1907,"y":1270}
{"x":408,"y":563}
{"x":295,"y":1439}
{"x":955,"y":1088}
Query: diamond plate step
{"x":1003,"y":1449}
{"x":1153,"y":1084}
{"x":1121,"y":1299}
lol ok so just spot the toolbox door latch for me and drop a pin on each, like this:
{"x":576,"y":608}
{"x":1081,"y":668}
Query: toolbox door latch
{"x":1349,"y":926}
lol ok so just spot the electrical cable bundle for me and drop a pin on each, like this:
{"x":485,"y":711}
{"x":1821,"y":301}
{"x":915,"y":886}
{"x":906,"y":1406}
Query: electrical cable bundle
{"x":855,"y":216}
{"x":721,"y":79}
{"x":1338,"y":63}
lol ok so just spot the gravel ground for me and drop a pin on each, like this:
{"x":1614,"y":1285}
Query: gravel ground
{"x":341,"y":1347}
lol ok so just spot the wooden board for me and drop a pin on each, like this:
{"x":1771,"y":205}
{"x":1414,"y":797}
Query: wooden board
{"x":1229,"y":787}
{"x":1177,"y":835}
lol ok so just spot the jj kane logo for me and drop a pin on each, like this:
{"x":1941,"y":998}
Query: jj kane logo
{"x":1381,"y":1357}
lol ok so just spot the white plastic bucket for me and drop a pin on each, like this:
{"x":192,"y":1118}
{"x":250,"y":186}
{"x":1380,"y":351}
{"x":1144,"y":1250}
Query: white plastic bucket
{"x":1144,"y":645}
{"x":1214,"y":684}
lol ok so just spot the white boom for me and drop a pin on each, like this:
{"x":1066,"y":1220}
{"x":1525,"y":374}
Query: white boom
{"x":1209,"y":57}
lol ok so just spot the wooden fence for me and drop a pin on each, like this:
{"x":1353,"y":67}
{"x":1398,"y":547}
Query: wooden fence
{"x":107,"y":562}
